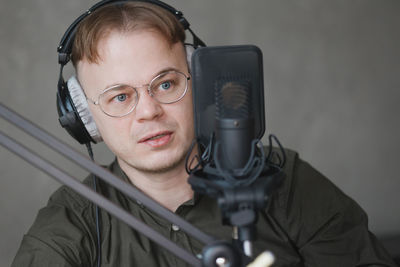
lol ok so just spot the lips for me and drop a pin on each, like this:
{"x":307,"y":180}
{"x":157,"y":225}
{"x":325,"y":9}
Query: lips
{"x":157,"y":139}
{"x":157,"y":136}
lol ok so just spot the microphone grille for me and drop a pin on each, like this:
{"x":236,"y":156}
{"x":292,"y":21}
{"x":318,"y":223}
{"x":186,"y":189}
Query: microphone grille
{"x":233,"y":98}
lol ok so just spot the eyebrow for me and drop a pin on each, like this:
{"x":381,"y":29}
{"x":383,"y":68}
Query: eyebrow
{"x":134,"y":86}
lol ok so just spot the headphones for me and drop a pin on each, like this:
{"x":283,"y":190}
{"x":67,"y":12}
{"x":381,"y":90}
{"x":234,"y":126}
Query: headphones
{"x":72,"y":106}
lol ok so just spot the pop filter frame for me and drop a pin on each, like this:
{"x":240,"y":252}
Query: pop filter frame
{"x":240,"y":62}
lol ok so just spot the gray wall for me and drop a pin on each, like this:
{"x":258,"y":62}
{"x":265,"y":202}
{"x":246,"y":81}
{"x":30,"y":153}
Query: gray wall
{"x":332,"y":92}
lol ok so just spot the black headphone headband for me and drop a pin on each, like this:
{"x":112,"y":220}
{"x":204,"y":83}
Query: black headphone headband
{"x":64,"y":49}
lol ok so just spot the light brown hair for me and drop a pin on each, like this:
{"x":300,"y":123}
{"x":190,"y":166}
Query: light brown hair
{"x":125,"y":17}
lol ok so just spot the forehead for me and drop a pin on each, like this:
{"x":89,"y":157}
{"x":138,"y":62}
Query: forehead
{"x":131,"y":58}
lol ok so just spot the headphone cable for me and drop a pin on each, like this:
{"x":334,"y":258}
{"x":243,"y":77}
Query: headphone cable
{"x":97,"y":211}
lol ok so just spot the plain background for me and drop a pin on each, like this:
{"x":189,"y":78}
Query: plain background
{"x":332,"y":85}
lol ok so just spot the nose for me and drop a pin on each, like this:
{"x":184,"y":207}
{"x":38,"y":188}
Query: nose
{"x":147,"y":107}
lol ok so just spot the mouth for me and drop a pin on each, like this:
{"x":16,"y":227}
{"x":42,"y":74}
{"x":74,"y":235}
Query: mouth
{"x":157,"y":139}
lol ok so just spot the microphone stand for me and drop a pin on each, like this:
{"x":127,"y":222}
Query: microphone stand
{"x":240,"y":203}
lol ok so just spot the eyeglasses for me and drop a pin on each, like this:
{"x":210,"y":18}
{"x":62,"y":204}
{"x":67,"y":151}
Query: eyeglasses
{"x":121,"y":99}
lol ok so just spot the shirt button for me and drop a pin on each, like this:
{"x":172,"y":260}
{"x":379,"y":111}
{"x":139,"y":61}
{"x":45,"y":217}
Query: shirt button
{"x":175,"y":227}
{"x":140,"y":204}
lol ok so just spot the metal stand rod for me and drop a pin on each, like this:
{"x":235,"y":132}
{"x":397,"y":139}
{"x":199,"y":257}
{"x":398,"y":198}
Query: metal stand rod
{"x":102,"y":173}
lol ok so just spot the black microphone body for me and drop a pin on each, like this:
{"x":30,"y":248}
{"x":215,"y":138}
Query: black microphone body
{"x":234,"y":121}
{"x":234,"y":137}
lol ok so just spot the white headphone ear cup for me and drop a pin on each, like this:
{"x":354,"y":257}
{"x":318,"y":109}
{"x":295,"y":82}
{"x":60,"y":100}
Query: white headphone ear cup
{"x":189,"y":52}
{"x":79,"y":99}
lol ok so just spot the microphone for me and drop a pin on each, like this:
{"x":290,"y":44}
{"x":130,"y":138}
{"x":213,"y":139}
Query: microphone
{"x":228,"y":99}
{"x":234,"y":122}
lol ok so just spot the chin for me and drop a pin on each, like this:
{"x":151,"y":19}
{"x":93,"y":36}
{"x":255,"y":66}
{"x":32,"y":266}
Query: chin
{"x":160,"y":162}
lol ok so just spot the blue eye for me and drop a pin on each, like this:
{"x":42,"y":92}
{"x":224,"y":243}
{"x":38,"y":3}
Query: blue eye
{"x":121,"y":97}
{"x":165,"y":85}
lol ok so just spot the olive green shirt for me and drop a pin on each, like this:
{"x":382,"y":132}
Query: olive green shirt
{"x":308,"y":222}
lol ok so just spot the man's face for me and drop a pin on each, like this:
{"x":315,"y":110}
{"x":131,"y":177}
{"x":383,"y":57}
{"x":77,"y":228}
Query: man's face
{"x":154,"y":137}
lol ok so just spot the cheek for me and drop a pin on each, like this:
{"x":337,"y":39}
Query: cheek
{"x":109,"y":128}
{"x":186,"y":116}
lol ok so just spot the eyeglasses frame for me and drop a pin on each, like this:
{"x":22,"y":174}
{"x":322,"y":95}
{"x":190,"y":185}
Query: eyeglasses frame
{"x":97,"y":102}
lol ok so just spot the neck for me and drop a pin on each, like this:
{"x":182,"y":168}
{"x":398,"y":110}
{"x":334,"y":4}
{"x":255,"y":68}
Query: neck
{"x":170,"y":188}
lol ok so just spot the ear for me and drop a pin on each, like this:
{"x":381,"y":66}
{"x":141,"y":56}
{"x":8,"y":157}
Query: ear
{"x":189,"y":51}
{"x":79,"y":100}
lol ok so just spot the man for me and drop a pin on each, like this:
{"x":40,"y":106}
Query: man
{"x":131,"y":63}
